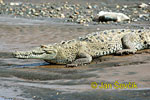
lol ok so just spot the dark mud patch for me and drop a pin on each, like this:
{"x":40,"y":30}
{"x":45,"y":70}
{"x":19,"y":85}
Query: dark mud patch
{"x":112,"y":95}
{"x":131,"y":73}
{"x":4,"y":73}
{"x":6,"y":55}
{"x":42,"y":94}
{"x":36,"y":74}
{"x":48,"y":94}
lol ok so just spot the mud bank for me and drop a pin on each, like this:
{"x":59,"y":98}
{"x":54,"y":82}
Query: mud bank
{"x":36,"y":80}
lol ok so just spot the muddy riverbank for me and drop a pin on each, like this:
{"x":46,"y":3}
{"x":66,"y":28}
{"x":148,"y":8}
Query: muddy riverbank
{"x":36,"y":80}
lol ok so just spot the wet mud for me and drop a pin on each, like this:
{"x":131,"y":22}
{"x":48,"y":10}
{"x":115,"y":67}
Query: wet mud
{"x":35,"y":79}
{"x":30,"y":79}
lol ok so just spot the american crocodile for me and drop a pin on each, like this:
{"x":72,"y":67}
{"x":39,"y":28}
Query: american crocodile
{"x":83,"y":49}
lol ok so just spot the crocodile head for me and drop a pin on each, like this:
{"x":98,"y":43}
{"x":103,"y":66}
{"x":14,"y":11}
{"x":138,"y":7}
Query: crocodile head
{"x":43,"y":52}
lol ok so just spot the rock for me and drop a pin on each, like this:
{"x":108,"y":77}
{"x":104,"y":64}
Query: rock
{"x":21,"y":13}
{"x":135,"y":20}
{"x":36,"y":14}
{"x":33,"y":10}
{"x":43,"y":13}
{"x":112,"y":16}
{"x":1,"y":1}
{"x":15,"y":3}
{"x":117,"y":6}
{"x":51,"y":12}
{"x":81,"y":20}
{"x":57,"y":93}
{"x":135,"y":12}
{"x":125,"y":6}
{"x":76,"y":12}
{"x":71,"y":16}
{"x":144,"y":15}
{"x":10,"y":9}
{"x":34,"y":97}
{"x":62,"y":16}
{"x":89,"y":7}
{"x":95,"y":6}
{"x":58,"y":9}
{"x":143,"y":5}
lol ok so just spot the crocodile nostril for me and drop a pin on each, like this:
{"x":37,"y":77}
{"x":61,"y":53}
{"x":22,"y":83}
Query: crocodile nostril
{"x":145,"y":42}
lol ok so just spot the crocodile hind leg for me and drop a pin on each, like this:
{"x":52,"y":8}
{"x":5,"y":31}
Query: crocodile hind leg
{"x":129,"y":45}
{"x":83,"y":58}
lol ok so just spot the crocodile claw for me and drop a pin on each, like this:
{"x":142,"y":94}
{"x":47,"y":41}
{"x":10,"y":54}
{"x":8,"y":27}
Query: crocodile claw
{"x":71,"y":65}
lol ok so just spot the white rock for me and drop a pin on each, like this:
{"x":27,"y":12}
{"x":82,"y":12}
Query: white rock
{"x":1,"y":1}
{"x":62,"y":15}
{"x":143,"y":5}
{"x":125,"y":6}
{"x":112,"y":16}
{"x":15,"y":3}
{"x":144,"y":15}
{"x":117,"y":6}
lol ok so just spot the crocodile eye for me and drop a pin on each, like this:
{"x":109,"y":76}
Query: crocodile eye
{"x":49,"y":52}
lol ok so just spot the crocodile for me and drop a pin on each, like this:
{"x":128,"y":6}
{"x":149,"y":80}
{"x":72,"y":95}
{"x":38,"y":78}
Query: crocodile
{"x":83,"y":49}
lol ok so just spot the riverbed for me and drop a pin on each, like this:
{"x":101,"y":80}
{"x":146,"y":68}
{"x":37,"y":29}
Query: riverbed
{"x":30,"y":79}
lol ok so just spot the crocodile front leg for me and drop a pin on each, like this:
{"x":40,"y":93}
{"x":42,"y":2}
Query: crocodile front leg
{"x":129,"y":43}
{"x":83,"y":58}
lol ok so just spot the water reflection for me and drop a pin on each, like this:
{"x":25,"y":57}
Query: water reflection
{"x":29,"y":65}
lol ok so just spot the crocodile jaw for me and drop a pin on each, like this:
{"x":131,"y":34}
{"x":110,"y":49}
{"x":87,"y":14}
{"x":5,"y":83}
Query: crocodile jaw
{"x":33,"y":55}
{"x":27,"y":55}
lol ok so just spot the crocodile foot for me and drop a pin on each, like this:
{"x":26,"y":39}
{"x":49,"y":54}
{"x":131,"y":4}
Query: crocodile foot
{"x":71,"y":65}
{"x":125,"y":52}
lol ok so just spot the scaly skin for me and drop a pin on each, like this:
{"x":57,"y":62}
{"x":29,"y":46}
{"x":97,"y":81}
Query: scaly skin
{"x":83,"y":49}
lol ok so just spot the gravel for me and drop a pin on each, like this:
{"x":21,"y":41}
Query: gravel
{"x":74,"y":13}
